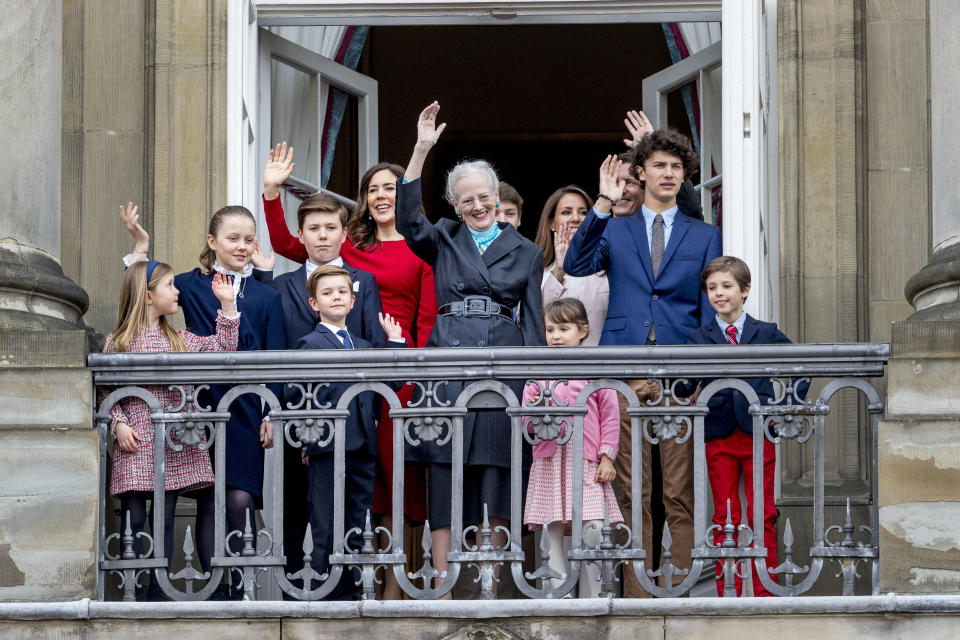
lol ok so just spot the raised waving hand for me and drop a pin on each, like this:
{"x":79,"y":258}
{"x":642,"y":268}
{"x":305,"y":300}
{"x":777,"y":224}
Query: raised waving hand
{"x":391,"y":327}
{"x":638,"y":126}
{"x":131,"y":220}
{"x":279,"y":166}
{"x":561,"y":242}
{"x":261,"y":260}
{"x":427,"y":135}
{"x":611,"y":186}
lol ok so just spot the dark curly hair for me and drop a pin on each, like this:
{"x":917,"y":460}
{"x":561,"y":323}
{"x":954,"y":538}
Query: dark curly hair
{"x":670,"y":141}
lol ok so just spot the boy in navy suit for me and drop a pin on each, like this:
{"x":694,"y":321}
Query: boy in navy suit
{"x":728,"y":428}
{"x":332,"y":297}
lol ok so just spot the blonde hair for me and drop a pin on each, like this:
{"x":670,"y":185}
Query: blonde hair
{"x":208,"y":256}
{"x":326,"y":271}
{"x":133,"y":306}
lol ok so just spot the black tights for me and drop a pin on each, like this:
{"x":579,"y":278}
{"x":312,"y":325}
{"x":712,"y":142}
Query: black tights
{"x":238,"y":502}
{"x":134,"y":503}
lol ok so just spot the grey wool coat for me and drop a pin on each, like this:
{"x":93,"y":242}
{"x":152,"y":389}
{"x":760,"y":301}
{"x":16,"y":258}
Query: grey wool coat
{"x":509,"y":272}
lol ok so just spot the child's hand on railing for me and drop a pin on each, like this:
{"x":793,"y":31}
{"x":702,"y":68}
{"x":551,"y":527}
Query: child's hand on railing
{"x":127,"y":438}
{"x":605,"y":471}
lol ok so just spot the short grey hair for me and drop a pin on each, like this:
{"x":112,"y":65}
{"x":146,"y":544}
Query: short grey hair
{"x":465,"y":168}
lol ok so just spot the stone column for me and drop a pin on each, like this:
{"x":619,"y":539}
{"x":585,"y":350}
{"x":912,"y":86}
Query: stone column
{"x":935,"y":290}
{"x":48,"y":450}
{"x":34,"y":293}
{"x":919,"y":439}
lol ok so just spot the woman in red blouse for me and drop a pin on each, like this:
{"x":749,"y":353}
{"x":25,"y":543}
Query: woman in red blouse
{"x":406,"y":292}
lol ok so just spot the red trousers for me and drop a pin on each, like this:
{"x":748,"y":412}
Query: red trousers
{"x":727,"y":458}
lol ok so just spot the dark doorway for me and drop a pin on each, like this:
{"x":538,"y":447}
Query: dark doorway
{"x":543,"y":103}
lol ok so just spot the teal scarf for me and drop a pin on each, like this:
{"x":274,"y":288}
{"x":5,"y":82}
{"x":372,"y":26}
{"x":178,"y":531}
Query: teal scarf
{"x":484,"y":238}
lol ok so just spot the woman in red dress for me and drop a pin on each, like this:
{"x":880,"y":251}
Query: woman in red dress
{"x":406,"y":292}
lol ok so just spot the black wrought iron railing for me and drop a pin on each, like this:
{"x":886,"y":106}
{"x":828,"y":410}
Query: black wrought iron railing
{"x":484,"y":373}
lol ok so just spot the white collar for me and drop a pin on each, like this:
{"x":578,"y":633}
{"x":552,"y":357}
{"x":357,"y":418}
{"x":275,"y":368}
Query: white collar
{"x":738,"y":323}
{"x":336,"y":262}
{"x":237,"y":276}
{"x":334,"y":329}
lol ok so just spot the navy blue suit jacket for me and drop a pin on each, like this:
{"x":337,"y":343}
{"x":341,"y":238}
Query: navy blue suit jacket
{"x":361,"y":425}
{"x":729,"y":408}
{"x":362,"y":321}
{"x":672,"y":301}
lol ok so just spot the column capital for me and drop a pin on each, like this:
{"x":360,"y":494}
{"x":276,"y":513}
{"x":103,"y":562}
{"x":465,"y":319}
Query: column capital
{"x":934,"y":291}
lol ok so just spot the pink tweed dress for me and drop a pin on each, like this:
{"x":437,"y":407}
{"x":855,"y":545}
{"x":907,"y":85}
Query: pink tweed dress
{"x":550,"y":487}
{"x":188,"y":468}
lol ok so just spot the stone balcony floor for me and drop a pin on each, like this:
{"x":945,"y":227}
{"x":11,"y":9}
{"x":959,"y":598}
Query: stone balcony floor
{"x":914,"y":617}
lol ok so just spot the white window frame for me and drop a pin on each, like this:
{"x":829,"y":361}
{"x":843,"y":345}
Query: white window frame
{"x":749,"y":158}
{"x":322,"y":71}
{"x":657,"y":87}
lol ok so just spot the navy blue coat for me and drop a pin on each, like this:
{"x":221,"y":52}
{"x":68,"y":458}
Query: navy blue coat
{"x":672,"y":301}
{"x":729,"y":408}
{"x":361,"y":427}
{"x":261,"y":327}
{"x":362,"y":321}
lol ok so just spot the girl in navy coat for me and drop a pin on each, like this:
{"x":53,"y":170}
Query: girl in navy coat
{"x":230,"y":246}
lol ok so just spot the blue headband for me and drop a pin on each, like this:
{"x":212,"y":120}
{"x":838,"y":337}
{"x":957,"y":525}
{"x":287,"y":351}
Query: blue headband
{"x":150,"y":267}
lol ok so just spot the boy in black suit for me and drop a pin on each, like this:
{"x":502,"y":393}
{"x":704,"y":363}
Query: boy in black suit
{"x":332,"y":297}
{"x":728,"y":428}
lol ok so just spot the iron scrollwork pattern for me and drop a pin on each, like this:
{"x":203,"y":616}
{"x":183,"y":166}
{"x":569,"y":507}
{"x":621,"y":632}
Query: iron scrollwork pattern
{"x":252,"y":559}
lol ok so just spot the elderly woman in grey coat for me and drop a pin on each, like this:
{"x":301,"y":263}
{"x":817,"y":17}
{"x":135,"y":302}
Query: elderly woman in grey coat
{"x":483,"y":270}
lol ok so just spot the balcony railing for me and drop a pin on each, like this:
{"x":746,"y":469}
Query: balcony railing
{"x":830,"y":368}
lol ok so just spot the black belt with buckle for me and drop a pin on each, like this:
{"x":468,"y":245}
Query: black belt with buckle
{"x":476,"y":306}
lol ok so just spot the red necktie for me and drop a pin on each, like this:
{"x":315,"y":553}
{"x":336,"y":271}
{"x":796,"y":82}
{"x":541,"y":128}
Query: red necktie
{"x":731,"y":334}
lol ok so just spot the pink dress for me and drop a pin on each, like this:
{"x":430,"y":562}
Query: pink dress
{"x":188,"y":468}
{"x":553,"y":464}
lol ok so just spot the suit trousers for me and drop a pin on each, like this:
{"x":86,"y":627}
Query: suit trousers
{"x":359,"y":470}
{"x":676,"y":463}
{"x":727,"y":459}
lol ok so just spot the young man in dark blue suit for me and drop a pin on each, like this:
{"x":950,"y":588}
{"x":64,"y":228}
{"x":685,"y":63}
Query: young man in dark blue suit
{"x":728,"y":428}
{"x":332,"y":298}
{"x":653,"y":261}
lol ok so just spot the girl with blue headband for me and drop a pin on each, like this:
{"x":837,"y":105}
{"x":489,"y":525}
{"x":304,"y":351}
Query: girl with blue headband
{"x":147,"y":296}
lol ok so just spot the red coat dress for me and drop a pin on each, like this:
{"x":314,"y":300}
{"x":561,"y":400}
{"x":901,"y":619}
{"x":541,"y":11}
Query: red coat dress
{"x":407,"y":293}
{"x":188,"y":468}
